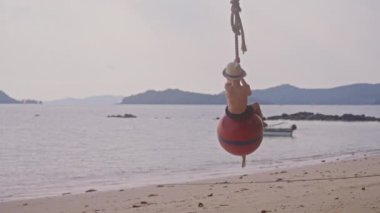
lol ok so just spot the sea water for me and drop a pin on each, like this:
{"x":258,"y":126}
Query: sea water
{"x":50,"y":150}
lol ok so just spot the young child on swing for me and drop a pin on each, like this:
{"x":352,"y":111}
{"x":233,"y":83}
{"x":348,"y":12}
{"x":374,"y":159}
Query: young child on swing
{"x":237,"y":93}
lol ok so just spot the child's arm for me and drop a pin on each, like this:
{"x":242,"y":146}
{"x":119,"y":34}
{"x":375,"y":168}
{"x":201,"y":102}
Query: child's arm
{"x":246,"y":86}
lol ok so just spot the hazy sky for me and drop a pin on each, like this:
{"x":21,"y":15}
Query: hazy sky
{"x":76,"y":48}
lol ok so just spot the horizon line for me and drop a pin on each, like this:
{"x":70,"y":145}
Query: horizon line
{"x":170,"y":88}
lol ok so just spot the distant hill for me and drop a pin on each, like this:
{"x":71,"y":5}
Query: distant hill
{"x":94,"y":100}
{"x":173,"y":96}
{"x":356,"y":94}
{"x":5,"y":99}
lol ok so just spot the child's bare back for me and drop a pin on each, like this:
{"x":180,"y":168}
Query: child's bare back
{"x":237,"y":93}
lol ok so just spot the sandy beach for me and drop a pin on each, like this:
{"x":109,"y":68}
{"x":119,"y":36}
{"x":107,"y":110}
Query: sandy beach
{"x":331,"y":186}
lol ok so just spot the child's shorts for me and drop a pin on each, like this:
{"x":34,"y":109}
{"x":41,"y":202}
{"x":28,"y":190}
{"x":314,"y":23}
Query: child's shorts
{"x":242,"y":116}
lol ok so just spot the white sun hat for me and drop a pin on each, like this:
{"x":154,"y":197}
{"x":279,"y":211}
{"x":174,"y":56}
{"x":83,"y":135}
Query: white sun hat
{"x":233,"y":71}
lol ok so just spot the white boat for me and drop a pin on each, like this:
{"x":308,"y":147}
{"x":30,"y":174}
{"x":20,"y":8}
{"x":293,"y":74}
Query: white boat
{"x":279,"y":131}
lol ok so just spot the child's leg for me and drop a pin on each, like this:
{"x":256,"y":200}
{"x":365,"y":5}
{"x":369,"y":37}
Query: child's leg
{"x":257,"y":110}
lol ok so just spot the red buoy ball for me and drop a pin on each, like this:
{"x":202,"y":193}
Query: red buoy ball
{"x":240,"y":137}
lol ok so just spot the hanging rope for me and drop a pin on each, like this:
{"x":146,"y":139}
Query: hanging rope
{"x":237,"y":28}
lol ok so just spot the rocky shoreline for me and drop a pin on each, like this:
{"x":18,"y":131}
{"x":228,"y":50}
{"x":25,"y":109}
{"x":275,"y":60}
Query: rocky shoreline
{"x":309,"y":116}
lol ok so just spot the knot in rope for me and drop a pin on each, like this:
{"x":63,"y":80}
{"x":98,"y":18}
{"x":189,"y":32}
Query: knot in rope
{"x":237,"y":28}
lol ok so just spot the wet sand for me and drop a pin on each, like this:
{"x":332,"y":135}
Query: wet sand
{"x":331,"y":186}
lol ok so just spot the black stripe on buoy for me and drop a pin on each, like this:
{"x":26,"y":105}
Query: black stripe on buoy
{"x":239,"y":143}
